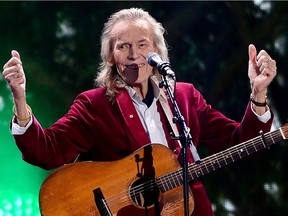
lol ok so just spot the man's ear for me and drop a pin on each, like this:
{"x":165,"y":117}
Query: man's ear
{"x":110,"y":61}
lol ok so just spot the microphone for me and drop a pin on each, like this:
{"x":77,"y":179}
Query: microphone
{"x":163,"y":67}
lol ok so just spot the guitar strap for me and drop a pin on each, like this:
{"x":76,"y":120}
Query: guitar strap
{"x":163,"y":99}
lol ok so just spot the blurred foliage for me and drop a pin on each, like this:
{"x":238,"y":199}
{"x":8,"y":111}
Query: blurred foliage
{"x":60,"y":41}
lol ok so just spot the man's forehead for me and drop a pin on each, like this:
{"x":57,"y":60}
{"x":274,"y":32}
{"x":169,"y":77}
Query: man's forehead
{"x":126,"y":25}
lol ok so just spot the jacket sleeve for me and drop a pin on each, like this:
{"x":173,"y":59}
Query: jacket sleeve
{"x":60,"y":143}
{"x":211,"y":128}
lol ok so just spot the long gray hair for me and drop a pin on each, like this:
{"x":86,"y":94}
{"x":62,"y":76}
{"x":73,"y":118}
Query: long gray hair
{"x":107,"y":74}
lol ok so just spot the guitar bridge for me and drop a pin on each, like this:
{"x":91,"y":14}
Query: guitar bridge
{"x":101,"y":203}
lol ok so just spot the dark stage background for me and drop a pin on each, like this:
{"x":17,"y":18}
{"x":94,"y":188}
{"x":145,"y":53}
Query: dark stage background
{"x":59,"y":45}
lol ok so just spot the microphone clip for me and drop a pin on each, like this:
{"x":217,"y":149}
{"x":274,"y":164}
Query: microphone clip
{"x":165,"y":69}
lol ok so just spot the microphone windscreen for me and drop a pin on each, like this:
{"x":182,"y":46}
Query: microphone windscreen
{"x":154,"y":59}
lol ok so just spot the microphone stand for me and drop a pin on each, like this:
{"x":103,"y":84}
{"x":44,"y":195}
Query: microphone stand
{"x":186,"y":141}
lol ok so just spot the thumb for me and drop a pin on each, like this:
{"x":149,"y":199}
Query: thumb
{"x":252,"y":54}
{"x":14,"y":53}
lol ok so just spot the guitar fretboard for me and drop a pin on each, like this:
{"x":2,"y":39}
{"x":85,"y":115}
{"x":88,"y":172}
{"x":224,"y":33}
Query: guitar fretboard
{"x":221,"y":159}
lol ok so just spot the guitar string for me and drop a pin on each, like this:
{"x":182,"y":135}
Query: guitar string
{"x":232,"y":151}
{"x":164,"y":179}
{"x":199,"y":169}
{"x":143,"y":188}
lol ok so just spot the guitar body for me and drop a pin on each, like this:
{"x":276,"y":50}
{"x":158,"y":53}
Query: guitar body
{"x":70,"y":190}
{"x":146,"y":183}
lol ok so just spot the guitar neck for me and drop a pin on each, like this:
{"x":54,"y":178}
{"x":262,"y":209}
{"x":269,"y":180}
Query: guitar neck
{"x":221,"y":159}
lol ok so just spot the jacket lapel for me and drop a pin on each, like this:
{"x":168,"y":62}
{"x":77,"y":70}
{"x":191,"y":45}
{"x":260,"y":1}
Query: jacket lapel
{"x":132,"y":119}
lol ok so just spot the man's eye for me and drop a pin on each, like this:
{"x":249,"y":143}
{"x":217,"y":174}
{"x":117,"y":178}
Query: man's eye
{"x":142,"y":45}
{"x":124,"y":47}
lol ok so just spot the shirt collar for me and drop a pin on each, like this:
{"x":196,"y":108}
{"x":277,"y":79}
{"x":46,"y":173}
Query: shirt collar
{"x":156,"y":90}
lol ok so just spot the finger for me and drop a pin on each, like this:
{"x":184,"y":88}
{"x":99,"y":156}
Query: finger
{"x":264,"y":60}
{"x":252,"y":54}
{"x":263,"y":53}
{"x":268,"y":70}
{"x":253,"y":68}
{"x":15,"y":54}
{"x":14,"y":78}
{"x":13,"y":69}
{"x":263,"y":66}
{"x":12,"y":62}
{"x":263,"y":56}
{"x":268,"y":65}
{"x":15,"y":59}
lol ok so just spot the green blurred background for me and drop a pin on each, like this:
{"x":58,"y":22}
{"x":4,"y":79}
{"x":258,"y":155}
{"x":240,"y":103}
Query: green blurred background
{"x":59,"y":46}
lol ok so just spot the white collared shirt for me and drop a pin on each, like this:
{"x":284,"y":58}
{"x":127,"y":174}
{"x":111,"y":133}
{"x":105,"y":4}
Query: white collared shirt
{"x":149,"y":116}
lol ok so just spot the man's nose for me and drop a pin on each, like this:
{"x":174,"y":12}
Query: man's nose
{"x":133,"y":52}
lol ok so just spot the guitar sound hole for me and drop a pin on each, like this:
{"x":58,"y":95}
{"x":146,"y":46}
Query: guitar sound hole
{"x":144,"y":193}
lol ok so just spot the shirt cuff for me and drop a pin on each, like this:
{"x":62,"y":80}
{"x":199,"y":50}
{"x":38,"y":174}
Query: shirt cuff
{"x":265,"y":117}
{"x":17,"y":129}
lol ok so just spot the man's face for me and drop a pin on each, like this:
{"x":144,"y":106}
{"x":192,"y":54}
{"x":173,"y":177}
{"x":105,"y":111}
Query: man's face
{"x":132,"y":41}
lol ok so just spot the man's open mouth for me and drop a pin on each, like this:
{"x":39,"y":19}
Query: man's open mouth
{"x":134,"y":66}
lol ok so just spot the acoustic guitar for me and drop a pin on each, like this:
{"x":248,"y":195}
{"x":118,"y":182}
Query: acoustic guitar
{"x":148,"y":182}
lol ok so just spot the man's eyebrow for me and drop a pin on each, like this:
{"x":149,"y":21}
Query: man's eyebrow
{"x":121,"y":43}
{"x":144,"y":40}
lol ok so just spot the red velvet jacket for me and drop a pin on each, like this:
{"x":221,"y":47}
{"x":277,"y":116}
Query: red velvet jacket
{"x":102,"y":131}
